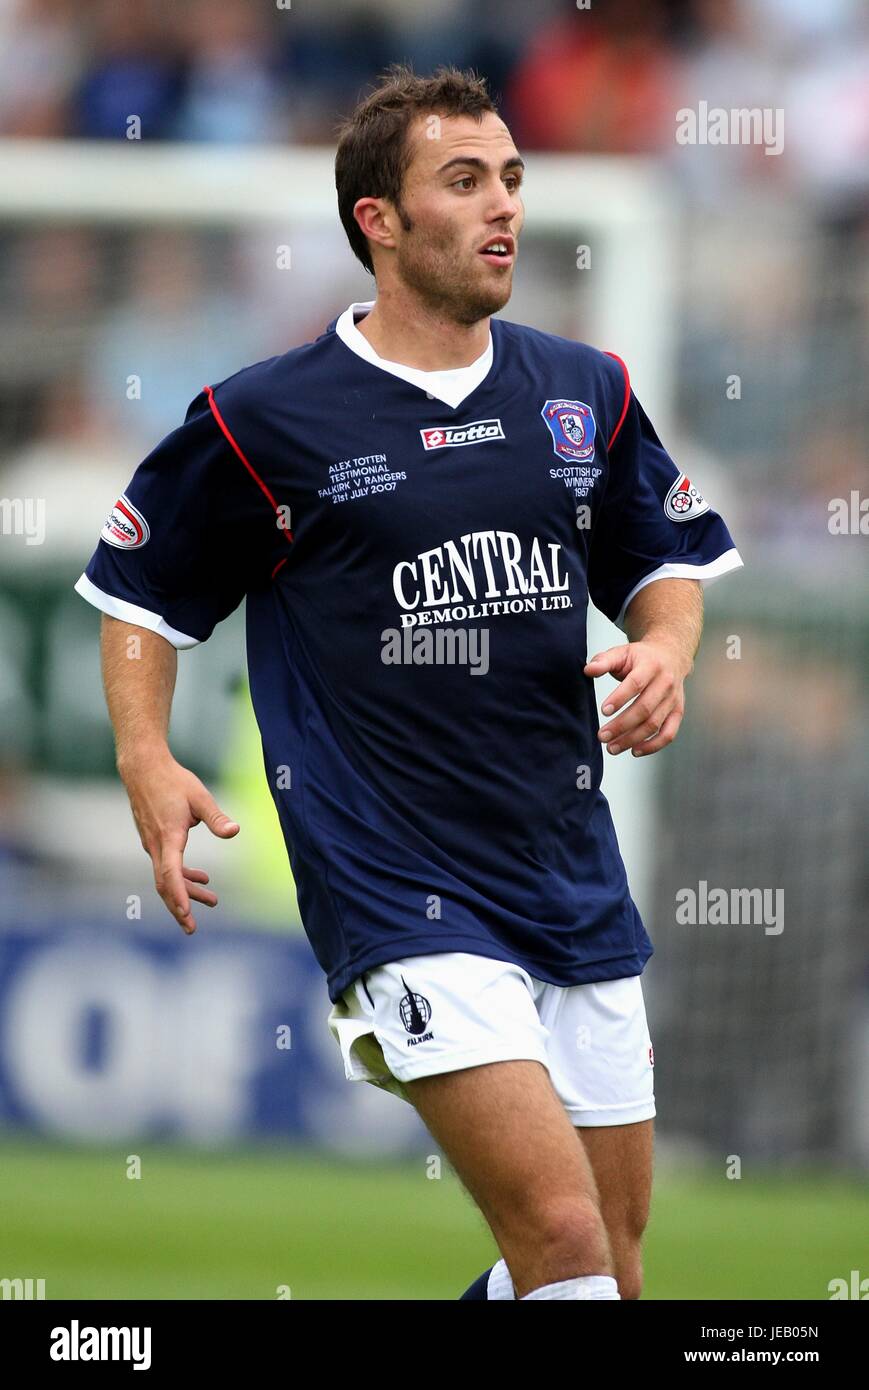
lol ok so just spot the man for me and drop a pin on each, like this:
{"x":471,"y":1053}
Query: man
{"x":417,"y":506}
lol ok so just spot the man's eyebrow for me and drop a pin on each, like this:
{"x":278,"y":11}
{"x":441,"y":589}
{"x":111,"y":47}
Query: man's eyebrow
{"x":514,"y":161}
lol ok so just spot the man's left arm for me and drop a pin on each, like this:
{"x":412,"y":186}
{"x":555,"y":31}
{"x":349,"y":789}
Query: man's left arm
{"x":655,"y":544}
{"x":663,"y":623}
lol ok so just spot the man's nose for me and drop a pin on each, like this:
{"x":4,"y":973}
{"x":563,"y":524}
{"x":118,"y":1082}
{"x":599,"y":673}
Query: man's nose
{"x":507,"y":208}
{"x":508,"y":216}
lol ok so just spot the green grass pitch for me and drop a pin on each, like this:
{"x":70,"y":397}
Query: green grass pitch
{"x":241,"y":1223}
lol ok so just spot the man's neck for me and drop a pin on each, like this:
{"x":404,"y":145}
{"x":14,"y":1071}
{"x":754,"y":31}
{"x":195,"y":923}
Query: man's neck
{"x":402,"y":330}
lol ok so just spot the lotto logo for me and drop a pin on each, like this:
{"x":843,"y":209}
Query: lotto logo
{"x":453,"y":436}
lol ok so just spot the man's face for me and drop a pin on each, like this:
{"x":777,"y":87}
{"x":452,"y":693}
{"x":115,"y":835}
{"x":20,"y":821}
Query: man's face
{"x":461,"y":191}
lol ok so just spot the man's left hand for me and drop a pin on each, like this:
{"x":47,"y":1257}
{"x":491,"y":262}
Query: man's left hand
{"x":652,"y":673}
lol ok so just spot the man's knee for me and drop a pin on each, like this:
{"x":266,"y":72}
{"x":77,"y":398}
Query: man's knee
{"x":571,"y":1235}
{"x":577,"y":1222}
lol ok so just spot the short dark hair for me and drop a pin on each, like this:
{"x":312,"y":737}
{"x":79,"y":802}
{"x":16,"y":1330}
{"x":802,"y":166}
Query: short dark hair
{"x":373,"y":154}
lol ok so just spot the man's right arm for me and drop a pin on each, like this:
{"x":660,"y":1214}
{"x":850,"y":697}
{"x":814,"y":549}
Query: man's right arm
{"x":166,"y":799}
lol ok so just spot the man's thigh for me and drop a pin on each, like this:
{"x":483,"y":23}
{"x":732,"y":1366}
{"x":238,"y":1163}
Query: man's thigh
{"x":506,"y":1133}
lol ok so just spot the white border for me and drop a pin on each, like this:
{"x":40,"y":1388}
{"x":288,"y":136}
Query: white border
{"x":724,"y":564}
{"x":132,"y":613}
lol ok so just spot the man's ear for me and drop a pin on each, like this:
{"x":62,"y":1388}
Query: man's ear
{"x":375,"y":217}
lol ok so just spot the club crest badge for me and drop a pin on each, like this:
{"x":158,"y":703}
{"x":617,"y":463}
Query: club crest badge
{"x":684,"y":501}
{"x":571,"y":424}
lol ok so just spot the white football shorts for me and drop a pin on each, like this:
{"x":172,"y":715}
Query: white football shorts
{"x":425,"y":1015}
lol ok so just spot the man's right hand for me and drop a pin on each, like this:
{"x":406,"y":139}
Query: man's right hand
{"x":167,"y":800}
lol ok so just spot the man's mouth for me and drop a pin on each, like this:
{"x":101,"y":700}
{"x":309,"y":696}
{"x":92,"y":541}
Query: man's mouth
{"x":499,"y":250}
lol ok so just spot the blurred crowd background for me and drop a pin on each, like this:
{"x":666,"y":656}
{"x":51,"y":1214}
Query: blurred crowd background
{"x":762,"y":1042}
{"x":599,"y":77}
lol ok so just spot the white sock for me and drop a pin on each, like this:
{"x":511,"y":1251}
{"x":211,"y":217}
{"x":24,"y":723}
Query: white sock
{"x":500,"y":1284}
{"x":587,"y":1286}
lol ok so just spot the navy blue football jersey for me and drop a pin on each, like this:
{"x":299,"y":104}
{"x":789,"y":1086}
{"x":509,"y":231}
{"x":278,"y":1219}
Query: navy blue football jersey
{"x":417,"y":551}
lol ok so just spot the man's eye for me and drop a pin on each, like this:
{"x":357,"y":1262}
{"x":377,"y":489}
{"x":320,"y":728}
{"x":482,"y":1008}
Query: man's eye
{"x":512,"y":179}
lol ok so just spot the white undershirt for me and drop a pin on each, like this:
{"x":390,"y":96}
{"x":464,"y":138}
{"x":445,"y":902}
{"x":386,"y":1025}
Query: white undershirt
{"x":450,"y":386}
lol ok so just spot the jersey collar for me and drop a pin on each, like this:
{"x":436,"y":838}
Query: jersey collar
{"x":450,"y":386}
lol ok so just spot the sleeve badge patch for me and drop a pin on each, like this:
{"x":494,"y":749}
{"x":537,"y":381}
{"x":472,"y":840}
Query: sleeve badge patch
{"x":125,"y":526}
{"x":684,"y":501}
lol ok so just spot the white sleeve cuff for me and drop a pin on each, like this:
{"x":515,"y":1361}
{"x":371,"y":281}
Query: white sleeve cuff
{"x":132,"y":613}
{"x":723,"y":564}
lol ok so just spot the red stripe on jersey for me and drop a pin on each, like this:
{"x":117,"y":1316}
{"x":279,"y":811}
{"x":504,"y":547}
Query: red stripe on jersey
{"x":251,"y":470}
{"x":134,"y":521}
{"x":621,"y":419}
